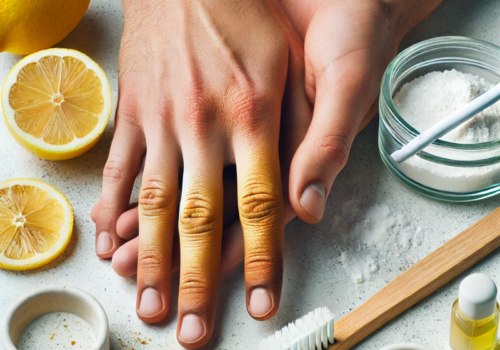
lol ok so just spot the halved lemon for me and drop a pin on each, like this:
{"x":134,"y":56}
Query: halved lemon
{"x":36,"y":223}
{"x":57,"y":103}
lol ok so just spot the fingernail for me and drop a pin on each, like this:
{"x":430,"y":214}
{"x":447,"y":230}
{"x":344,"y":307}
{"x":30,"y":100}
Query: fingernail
{"x":192,"y":329}
{"x":104,"y":243}
{"x":261,"y":302}
{"x":151,"y":303}
{"x":313,"y":199}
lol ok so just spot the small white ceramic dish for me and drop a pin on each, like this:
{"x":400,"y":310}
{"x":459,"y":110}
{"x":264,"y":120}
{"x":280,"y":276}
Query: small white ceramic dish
{"x":50,"y":299}
{"x":408,"y":346}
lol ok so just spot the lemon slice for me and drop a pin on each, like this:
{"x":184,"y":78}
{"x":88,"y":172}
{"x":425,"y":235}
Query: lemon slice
{"x":57,"y":103}
{"x":36,"y":222}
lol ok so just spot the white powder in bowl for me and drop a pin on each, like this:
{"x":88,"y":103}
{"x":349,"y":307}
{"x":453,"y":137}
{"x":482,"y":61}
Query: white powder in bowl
{"x":426,"y":100}
{"x":59,"y":330}
{"x":430,"y":98}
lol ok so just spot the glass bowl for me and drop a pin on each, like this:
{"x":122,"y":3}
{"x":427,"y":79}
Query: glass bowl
{"x":444,"y":170}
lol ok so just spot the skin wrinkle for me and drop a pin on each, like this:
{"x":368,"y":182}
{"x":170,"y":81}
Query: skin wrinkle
{"x":150,"y":258}
{"x":257,"y":203}
{"x":261,"y":209}
{"x":155,"y":198}
{"x":199,"y":224}
{"x":260,"y":266}
{"x":198,"y":215}
{"x":195,"y":287}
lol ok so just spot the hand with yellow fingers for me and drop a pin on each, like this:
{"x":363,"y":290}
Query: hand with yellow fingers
{"x":201,"y":85}
{"x":367,"y":32}
{"x":296,"y":115}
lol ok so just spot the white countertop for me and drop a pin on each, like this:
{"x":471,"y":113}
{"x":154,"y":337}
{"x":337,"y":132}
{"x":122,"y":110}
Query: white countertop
{"x":315,"y":274}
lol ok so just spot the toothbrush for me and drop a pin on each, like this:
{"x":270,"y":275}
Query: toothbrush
{"x":316,"y":330}
{"x":446,"y":125}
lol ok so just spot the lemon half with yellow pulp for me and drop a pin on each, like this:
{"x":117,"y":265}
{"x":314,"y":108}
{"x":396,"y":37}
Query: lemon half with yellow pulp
{"x":36,"y":222}
{"x":57,"y":103}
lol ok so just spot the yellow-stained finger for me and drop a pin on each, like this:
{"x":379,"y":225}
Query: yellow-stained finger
{"x":157,"y":218}
{"x":200,"y":234}
{"x":262,"y":220}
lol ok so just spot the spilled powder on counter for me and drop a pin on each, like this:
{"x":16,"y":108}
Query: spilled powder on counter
{"x":430,"y":98}
{"x":376,"y":235}
{"x":59,"y":330}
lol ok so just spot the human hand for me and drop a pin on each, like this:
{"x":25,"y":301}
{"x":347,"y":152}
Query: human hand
{"x":348,"y":45}
{"x":343,"y":48}
{"x":198,"y":91}
{"x":296,"y":117}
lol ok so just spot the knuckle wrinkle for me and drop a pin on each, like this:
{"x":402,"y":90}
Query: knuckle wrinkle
{"x":155,"y":198}
{"x":195,"y":286}
{"x":198,"y":216}
{"x":114,"y":170}
{"x":152,"y":259}
{"x":336,"y":150}
{"x":247,"y":108}
{"x":196,"y":112}
{"x":259,"y":202}
{"x":261,"y":266}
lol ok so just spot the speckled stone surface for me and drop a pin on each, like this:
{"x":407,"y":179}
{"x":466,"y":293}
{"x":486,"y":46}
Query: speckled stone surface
{"x":315,"y":275}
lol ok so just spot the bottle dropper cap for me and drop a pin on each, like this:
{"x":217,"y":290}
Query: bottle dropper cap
{"x":477,"y":296}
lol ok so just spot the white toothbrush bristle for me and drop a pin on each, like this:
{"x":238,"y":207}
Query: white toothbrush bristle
{"x":313,"y":331}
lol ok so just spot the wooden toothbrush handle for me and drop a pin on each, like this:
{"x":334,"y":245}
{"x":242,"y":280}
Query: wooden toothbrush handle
{"x":429,"y":274}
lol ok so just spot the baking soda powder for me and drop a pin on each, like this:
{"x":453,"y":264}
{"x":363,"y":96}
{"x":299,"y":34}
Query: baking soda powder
{"x":430,"y":98}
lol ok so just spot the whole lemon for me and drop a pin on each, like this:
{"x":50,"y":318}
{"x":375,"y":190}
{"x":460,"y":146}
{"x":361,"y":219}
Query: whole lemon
{"x":27,"y":26}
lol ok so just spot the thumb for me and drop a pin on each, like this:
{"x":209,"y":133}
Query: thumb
{"x":296,"y":115}
{"x":345,"y":95}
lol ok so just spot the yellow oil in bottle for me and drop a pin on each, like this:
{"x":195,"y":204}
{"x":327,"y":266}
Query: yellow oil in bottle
{"x":469,"y":334}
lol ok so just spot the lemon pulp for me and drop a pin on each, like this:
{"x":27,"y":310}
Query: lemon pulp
{"x":57,"y":99}
{"x":35,"y":224}
{"x":57,"y":103}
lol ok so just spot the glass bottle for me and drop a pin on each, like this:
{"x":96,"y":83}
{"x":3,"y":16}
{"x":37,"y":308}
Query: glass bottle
{"x":475,"y":314}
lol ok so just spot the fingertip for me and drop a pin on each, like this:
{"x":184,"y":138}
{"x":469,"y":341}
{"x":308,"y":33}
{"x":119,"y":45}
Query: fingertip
{"x":312,"y":203}
{"x":310,"y":179}
{"x":94,"y":211}
{"x":152,"y":306}
{"x":261,"y":305}
{"x":127,"y":225}
{"x":192,"y":332}
{"x":124,"y":260}
{"x":106,"y":244}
